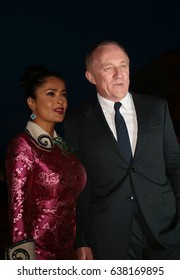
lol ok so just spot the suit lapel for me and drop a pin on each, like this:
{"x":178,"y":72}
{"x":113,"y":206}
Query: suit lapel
{"x":96,"y":117}
{"x":142,"y":112}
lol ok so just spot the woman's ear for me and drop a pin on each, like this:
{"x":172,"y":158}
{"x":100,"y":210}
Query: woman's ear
{"x":31,"y":103}
{"x":90,"y":77}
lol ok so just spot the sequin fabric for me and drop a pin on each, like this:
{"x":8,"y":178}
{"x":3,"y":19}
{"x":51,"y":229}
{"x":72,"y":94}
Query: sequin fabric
{"x":44,"y":185}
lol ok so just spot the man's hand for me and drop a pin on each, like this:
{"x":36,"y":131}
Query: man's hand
{"x":84,"y":253}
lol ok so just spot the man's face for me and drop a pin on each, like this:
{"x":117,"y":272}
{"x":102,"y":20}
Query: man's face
{"x":110,"y":72}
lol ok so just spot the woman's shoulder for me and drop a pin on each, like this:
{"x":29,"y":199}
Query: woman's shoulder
{"x":20,"y":142}
{"x":20,"y":138}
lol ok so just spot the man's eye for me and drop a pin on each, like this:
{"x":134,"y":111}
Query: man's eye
{"x":108,"y":69}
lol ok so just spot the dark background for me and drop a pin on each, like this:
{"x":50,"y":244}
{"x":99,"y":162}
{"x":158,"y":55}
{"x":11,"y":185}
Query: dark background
{"x":58,"y":33}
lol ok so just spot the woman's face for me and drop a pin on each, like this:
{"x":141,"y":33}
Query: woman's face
{"x":50,"y":103}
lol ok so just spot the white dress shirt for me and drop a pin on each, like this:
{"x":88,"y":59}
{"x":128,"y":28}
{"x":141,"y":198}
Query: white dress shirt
{"x":128,"y":112}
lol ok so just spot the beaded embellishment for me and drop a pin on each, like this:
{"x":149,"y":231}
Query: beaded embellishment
{"x":46,"y":142}
{"x":63,"y":145}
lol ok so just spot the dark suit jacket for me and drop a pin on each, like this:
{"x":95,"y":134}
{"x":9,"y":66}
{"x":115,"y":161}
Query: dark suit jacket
{"x":104,"y":211}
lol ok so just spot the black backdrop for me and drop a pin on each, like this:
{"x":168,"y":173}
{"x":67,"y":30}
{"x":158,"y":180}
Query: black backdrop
{"x":58,"y":33}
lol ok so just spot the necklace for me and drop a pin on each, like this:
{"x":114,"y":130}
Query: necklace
{"x":63,"y":145}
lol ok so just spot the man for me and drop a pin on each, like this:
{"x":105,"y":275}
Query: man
{"x":129,"y":208}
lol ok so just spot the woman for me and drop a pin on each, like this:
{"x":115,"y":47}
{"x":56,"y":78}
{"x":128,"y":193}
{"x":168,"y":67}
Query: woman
{"x":44,"y":176}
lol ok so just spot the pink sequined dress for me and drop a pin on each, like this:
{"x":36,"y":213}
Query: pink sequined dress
{"x":44,"y":182}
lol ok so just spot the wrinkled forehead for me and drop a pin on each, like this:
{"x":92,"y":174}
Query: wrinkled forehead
{"x":108,"y":53}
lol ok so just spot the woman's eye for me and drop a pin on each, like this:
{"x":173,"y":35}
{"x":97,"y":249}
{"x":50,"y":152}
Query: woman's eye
{"x":51,"y":93}
{"x":64,"y":94}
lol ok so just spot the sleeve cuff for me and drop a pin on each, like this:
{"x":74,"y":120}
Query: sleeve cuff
{"x":22,"y":250}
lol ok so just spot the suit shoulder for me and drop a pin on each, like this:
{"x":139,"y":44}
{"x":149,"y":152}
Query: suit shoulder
{"x":148,"y":99}
{"x":81,"y":109}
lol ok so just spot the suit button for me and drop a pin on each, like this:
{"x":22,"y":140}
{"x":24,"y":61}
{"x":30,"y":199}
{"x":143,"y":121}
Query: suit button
{"x":133,"y":169}
{"x":130,"y":198}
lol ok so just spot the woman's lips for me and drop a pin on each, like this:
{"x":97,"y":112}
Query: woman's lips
{"x":59,"y":110}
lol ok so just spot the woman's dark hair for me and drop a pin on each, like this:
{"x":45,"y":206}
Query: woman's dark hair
{"x":33,"y":77}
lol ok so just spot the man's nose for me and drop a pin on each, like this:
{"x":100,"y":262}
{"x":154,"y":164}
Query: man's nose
{"x":118,"y":72}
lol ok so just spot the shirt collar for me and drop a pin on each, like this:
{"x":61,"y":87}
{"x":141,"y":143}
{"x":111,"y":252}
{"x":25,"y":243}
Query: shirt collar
{"x":38,"y":133}
{"x":108,"y":105}
{"x":127,"y":102}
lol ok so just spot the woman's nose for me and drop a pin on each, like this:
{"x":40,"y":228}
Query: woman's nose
{"x":59,"y":99}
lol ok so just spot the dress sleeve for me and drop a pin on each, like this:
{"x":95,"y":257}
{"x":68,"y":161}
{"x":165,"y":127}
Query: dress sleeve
{"x":19,"y":171}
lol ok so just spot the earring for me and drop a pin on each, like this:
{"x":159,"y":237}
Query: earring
{"x":33,"y":116}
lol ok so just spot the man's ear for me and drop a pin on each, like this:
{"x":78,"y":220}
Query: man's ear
{"x":90,"y":77}
{"x":31,"y":103}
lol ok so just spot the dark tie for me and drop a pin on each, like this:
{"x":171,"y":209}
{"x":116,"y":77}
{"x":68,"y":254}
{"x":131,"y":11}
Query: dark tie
{"x":122,"y":133}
